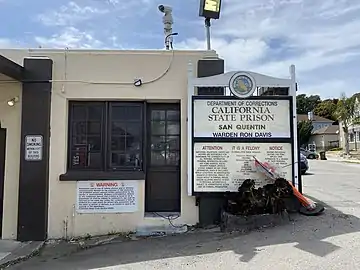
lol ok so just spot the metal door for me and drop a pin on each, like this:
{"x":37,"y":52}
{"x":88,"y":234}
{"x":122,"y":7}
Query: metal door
{"x":2,"y":173}
{"x":162,"y":182}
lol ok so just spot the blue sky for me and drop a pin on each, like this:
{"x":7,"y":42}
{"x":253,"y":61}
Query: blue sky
{"x":321,"y":38}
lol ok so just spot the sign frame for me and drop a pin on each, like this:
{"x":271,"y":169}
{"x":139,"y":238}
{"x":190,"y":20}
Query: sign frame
{"x":290,"y":140}
{"x":196,"y":117}
{"x":36,"y":136}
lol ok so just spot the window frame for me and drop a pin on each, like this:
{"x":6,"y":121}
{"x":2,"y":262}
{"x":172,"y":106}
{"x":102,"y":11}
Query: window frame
{"x":351,"y":137}
{"x":163,"y":107}
{"x":108,"y":127}
{"x":70,"y":144}
{"x":106,"y":173}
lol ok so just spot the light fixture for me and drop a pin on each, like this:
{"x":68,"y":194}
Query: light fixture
{"x":209,"y":9}
{"x":13,"y":101}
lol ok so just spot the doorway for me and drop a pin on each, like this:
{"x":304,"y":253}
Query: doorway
{"x":2,"y":173}
{"x":163,"y":182}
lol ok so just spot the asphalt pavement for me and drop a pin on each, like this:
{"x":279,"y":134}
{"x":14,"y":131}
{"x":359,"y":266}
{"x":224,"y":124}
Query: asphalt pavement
{"x":330,"y":241}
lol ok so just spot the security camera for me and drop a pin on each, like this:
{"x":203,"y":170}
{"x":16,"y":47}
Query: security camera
{"x":165,"y":9}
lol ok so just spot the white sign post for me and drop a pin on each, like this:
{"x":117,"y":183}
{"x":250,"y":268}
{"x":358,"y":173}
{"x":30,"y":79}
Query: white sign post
{"x":226,"y":132}
{"x":33,"y":148}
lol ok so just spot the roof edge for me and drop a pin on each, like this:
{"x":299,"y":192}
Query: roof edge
{"x":106,"y":51}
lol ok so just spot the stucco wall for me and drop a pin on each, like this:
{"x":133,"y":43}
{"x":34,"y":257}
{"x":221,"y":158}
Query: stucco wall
{"x":84,"y":70}
{"x":323,"y":141}
{"x":10,"y":118}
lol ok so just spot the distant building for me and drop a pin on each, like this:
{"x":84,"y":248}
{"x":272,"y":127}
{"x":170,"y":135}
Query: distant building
{"x":318,"y":121}
{"x":354,"y":130}
{"x":325,"y":138}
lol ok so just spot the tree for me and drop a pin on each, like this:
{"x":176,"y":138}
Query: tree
{"x":326,"y":109}
{"x":304,"y":130}
{"x":347,"y":114}
{"x":305,"y":104}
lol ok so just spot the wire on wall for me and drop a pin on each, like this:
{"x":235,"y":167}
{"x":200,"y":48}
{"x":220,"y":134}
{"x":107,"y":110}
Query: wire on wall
{"x":98,"y":82}
{"x":171,"y":218}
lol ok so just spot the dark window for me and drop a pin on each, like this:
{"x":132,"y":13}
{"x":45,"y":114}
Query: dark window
{"x":109,"y":136}
{"x":125,"y":136}
{"x":351,"y":137}
{"x":165,"y":137}
{"x":86,"y":136}
{"x":105,"y":136}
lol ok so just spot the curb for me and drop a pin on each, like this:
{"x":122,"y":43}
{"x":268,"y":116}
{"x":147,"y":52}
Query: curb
{"x":351,"y":161}
{"x":344,"y":160}
{"x":23,"y":258}
{"x":37,"y":250}
{"x":83,"y":245}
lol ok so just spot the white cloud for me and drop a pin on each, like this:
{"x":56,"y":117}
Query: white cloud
{"x":316,"y":36}
{"x":240,"y":53}
{"x":330,"y":86}
{"x":321,"y":38}
{"x":70,"y":14}
{"x":5,"y":43}
{"x":70,"y":37}
{"x":73,"y":13}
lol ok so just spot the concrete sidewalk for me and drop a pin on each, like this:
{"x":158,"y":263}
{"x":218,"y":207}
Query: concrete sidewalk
{"x":336,"y":157}
{"x":12,"y":252}
{"x":327,"y":242}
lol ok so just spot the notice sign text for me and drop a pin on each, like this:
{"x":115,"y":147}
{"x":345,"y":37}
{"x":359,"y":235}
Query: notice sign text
{"x":242,"y":118}
{"x":33,"y":147}
{"x":222,"y":167}
{"x":107,"y":196}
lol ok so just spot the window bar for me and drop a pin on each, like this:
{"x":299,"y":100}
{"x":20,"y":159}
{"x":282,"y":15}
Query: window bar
{"x":144,"y":140}
{"x":105,"y":133}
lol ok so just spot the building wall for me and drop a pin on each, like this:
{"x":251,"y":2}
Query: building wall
{"x":82,"y":68}
{"x":323,"y":141}
{"x":10,"y":118}
{"x":352,"y":145}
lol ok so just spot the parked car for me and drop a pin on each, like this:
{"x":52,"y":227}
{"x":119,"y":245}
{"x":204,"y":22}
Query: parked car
{"x":304,"y":164}
{"x":309,"y":154}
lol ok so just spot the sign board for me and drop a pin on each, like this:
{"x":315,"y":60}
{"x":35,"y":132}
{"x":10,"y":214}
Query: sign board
{"x":235,"y":118}
{"x":34,"y":148}
{"x":107,"y":196}
{"x":223,"y":166}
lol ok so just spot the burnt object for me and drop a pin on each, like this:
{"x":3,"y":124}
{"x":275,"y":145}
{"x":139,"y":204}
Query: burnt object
{"x":269,"y":199}
{"x":252,"y":208}
{"x":232,"y":223}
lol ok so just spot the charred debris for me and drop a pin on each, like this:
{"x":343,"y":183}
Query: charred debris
{"x":269,"y":199}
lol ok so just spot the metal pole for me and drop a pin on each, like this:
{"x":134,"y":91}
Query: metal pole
{"x":168,"y":22}
{"x":292,"y":92}
{"x":190,"y":93}
{"x":208,"y":38}
{"x":168,"y":35}
{"x":355,"y":139}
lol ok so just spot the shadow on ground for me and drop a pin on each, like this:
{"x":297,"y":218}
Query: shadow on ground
{"x":306,"y":233}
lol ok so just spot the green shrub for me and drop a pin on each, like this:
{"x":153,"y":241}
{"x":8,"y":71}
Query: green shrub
{"x":336,"y":149}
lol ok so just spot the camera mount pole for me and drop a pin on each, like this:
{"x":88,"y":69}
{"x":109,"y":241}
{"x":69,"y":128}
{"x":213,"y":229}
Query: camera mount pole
{"x":168,"y":22}
{"x":208,"y":37}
